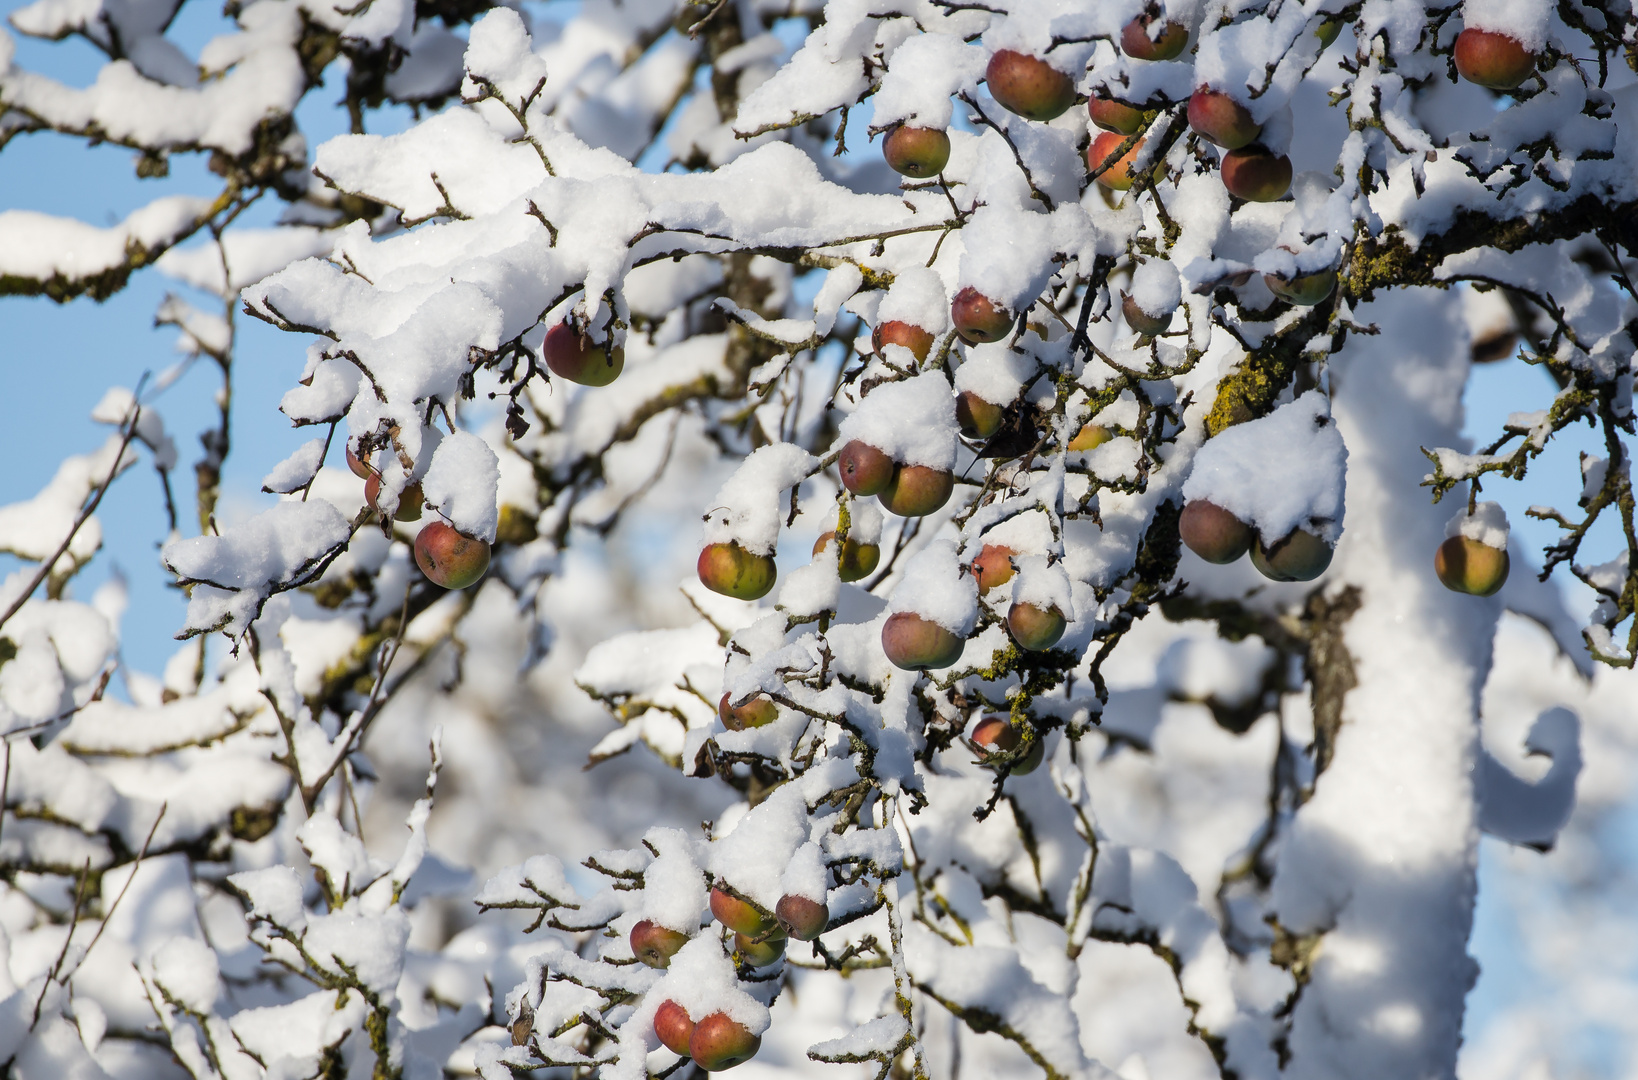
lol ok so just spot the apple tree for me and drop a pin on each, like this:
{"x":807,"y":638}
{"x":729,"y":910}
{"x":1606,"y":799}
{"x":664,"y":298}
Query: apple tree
{"x":1089,"y":613}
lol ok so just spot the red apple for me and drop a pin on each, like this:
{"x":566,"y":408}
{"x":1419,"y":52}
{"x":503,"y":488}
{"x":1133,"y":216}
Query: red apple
{"x":1034,"y":627}
{"x":1118,"y":176}
{"x":1213,"y":533}
{"x":1256,"y":175}
{"x":574,"y":356}
{"x":993,"y":566}
{"x":760,"y":711}
{"x":760,"y":951}
{"x":979,"y":419}
{"x":1112,"y":115}
{"x":1305,"y":289}
{"x":1140,"y":320}
{"x":865,"y":470}
{"x":917,"y":490}
{"x":911,"y":336}
{"x":857,"y":560}
{"x":1028,"y":85}
{"x":802,"y":918}
{"x":916,"y":152}
{"x":1221,"y":119}
{"x":1471,"y":566}
{"x":977,"y":318}
{"x":673,"y":1027}
{"x":654,"y":944}
{"x":732,"y":571}
{"x":1493,"y":59}
{"x":1301,"y":556}
{"x":740,"y":916}
{"x":1136,"y":42}
{"x":410,"y":500}
{"x":449,"y":558}
{"x":720,"y":1043}
{"x":1090,"y":437}
{"x":995,"y":735}
{"x":358,"y":465}
{"x":914,"y":643}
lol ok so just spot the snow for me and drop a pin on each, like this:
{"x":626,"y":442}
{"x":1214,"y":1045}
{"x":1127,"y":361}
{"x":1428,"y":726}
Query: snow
{"x":923,"y":75}
{"x":747,"y":509}
{"x":1487,"y":524}
{"x":1525,"y":21}
{"x":296,"y":471}
{"x":461,"y":482}
{"x":912,"y":421}
{"x":1285,"y":471}
{"x":935,"y":587}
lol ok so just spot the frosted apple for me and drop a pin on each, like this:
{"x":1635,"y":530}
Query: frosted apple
{"x":1142,"y":321}
{"x":1028,"y":85}
{"x":1034,"y":627}
{"x":916,"y":152}
{"x":857,"y":560}
{"x":1300,"y":556}
{"x":1254,"y":174}
{"x":1136,"y":40}
{"x":740,"y":916}
{"x":993,"y":566}
{"x":913,"y":642}
{"x":1493,"y":59}
{"x":1471,"y":566}
{"x":720,"y":1042}
{"x":760,"y":711}
{"x":1213,"y":533}
{"x":979,"y":419}
{"x":802,"y":918}
{"x":896,"y":332}
{"x":575,"y":357}
{"x":654,"y":944}
{"x":1112,"y":115}
{"x":1219,"y":118}
{"x":448,"y":557}
{"x":729,"y":569}
{"x":673,"y":1027}
{"x":865,"y":470}
{"x":977,"y":318}
{"x":917,"y":490}
{"x":410,"y":500}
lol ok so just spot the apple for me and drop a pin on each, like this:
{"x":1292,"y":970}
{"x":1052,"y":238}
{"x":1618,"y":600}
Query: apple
{"x":410,"y":500}
{"x":1136,"y":42}
{"x":802,"y":918}
{"x":917,"y":490}
{"x":761,"y":951}
{"x":1327,"y":31}
{"x":914,"y":643}
{"x":1301,"y":556}
{"x":1471,"y":566}
{"x":996,"y":735}
{"x":1028,"y":85}
{"x":977,"y":318}
{"x":654,"y":944}
{"x":1118,"y":176}
{"x":1220,"y":119}
{"x":448,"y":557}
{"x":729,"y":569}
{"x":1140,"y":320}
{"x":1034,"y":627}
{"x":574,"y":356}
{"x":865,"y":470}
{"x":993,"y":566}
{"x":857,"y":560}
{"x":673,"y":1027}
{"x":760,"y":711}
{"x":1213,"y":533}
{"x":1090,"y":437}
{"x":916,"y":152}
{"x":719,"y":1042}
{"x":1304,"y":289}
{"x":911,"y":336}
{"x":358,"y":465}
{"x":1112,"y":115}
{"x":1493,"y":59}
{"x":1255,"y":174}
{"x":740,"y":916}
{"x":979,"y":419}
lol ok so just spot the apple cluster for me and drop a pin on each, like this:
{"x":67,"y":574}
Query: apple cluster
{"x":716,"y":1040}
{"x":448,"y":557}
{"x":1217,"y":536}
